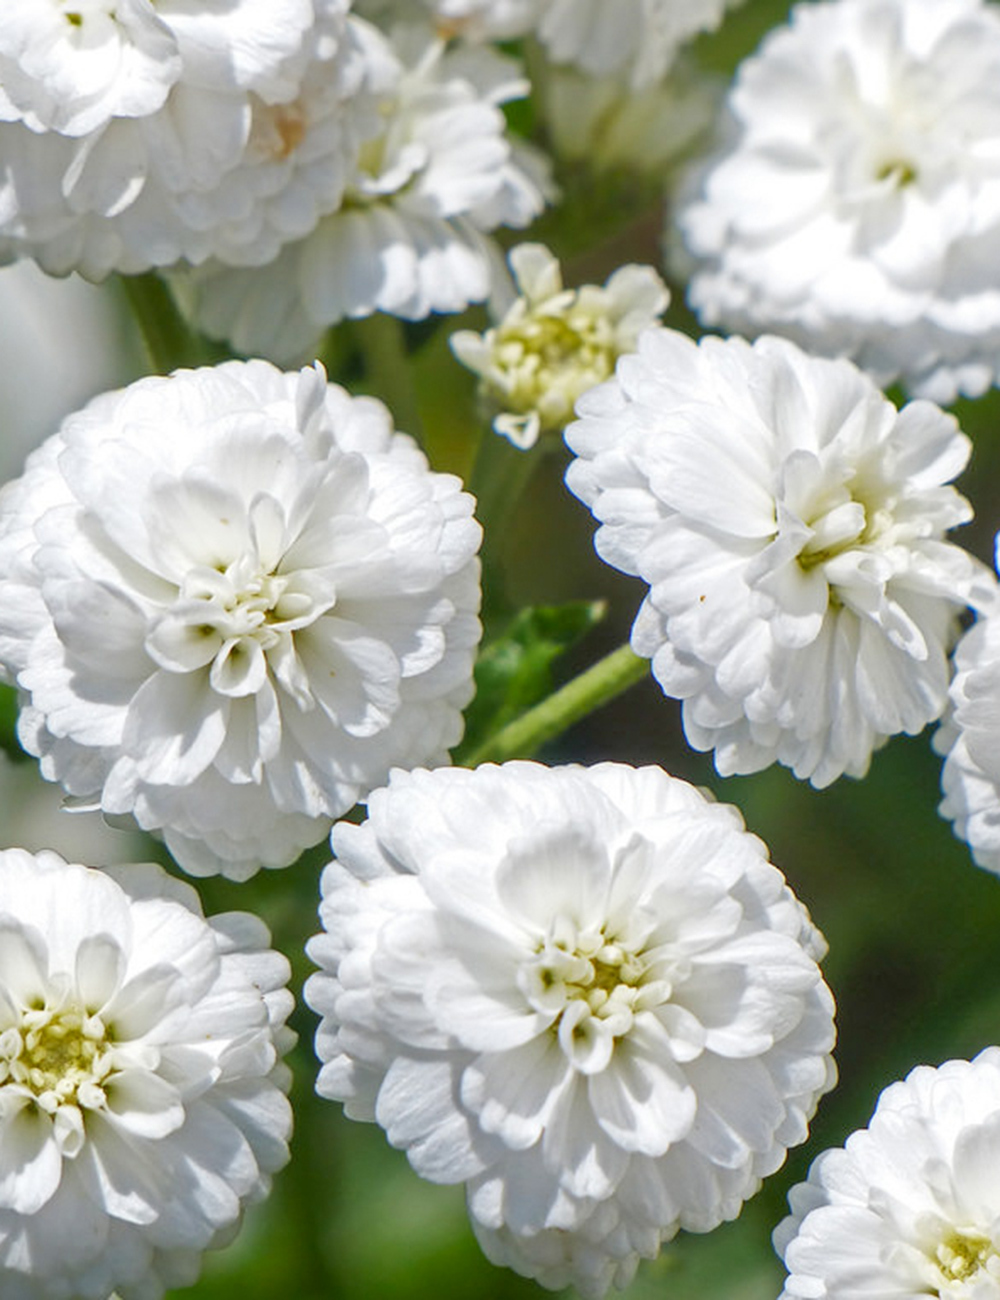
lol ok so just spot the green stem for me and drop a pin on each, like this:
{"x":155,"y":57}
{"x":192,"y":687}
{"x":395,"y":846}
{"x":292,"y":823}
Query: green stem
{"x":170,"y":343}
{"x":599,"y":684}
{"x":381,"y":340}
{"x":500,"y":476}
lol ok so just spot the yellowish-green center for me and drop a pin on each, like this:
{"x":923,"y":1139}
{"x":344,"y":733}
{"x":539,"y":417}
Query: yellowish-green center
{"x":604,"y":973}
{"x":61,"y":1055}
{"x":844,"y":520}
{"x":547,"y":362}
{"x":600,"y":972}
{"x":962,"y":1254}
{"x":897,"y":170}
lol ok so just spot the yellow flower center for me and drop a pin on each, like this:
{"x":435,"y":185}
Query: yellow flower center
{"x":589,"y":976}
{"x":545,"y":362}
{"x":962,"y":1254}
{"x":61,"y":1055}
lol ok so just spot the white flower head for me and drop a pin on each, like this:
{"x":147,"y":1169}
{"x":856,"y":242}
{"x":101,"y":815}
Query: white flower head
{"x":968,"y":738}
{"x":638,"y":39}
{"x":134,"y":136}
{"x":71,"y":67}
{"x":409,"y":238}
{"x":910,"y":1205}
{"x":584,"y":993}
{"x":474,"y":20}
{"x":606,"y":125}
{"x":141,"y":1086}
{"x":552,"y":344}
{"x":232,"y":600}
{"x":790,"y":523}
{"x":857,"y":206}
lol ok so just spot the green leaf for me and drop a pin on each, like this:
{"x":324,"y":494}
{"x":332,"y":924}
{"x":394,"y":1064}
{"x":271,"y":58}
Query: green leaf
{"x":8,"y":720}
{"x":514,"y":671}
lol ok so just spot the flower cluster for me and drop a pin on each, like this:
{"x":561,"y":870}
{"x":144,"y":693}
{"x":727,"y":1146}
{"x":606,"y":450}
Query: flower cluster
{"x":857,"y":208}
{"x":583,"y":993}
{"x":232,"y":600}
{"x":474,"y":20}
{"x":607,"y":125}
{"x":141,"y":1087}
{"x":135,"y":135}
{"x":636,"y":39}
{"x":236,"y":602}
{"x":910,"y":1205}
{"x":409,"y":238}
{"x":791,"y":526}
{"x":553,"y":344}
{"x":362,"y":168}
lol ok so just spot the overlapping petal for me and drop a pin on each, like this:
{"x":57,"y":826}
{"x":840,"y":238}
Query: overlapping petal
{"x":563,"y":987}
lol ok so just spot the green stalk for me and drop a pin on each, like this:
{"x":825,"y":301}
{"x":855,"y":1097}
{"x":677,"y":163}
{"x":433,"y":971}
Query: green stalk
{"x":500,"y":476}
{"x":381,"y":339}
{"x":169,"y":341}
{"x":598,"y":685}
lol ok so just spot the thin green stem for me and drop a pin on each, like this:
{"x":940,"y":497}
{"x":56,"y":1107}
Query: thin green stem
{"x":599,"y":684}
{"x":170,"y":343}
{"x":381,"y":340}
{"x":500,"y":476}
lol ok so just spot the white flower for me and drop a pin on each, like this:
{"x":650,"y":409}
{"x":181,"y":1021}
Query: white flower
{"x":133,"y":137}
{"x":970,"y":740}
{"x":480,"y":20}
{"x":233,"y":599}
{"x":605,"y":124}
{"x":857,"y":208}
{"x":910,"y":1205}
{"x":409,"y":238}
{"x":552,"y":344}
{"x":790,"y":524}
{"x":586,"y":994}
{"x":72,"y":66}
{"x":636,"y":38}
{"x":141,"y":1091}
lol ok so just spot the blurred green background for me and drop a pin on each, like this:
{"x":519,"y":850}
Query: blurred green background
{"x":912,"y":925}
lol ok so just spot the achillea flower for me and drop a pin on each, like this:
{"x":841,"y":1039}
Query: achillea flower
{"x":970,"y":740}
{"x":141,"y":1087}
{"x":477,"y":20}
{"x":857,"y":207}
{"x":585,"y":994}
{"x":606,"y":125}
{"x":410,"y":237}
{"x":909,"y":1206}
{"x":134,"y":135}
{"x":635,"y":39}
{"x":790,"y":523}
{"x":232,"y":600}
{"x":552,"y":344}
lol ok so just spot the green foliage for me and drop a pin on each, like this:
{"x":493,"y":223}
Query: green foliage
{"x":515,"y":670}
{"x":8,"y":721}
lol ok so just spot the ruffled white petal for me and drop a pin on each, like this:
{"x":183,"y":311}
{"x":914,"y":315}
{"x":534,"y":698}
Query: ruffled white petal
{"x":583,"y":993}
